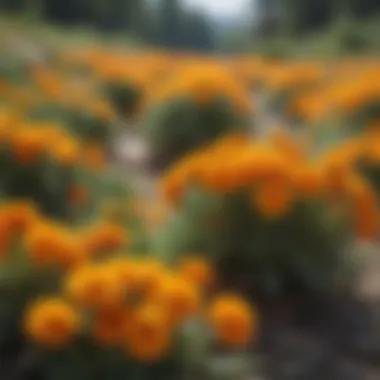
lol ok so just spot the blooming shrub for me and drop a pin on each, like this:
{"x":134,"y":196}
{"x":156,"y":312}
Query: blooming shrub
{"x":123,"y":84}
{"x":194,"y":107}
{"x":287,"y":81}
{"x":32,"y":167}
{"x":130,"y":312}
{"x":349,"y":93}
{"x":269,"y":217}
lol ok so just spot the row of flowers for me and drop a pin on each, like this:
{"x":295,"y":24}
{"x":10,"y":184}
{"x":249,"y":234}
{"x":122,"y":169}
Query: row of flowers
{"x":77,"y":272}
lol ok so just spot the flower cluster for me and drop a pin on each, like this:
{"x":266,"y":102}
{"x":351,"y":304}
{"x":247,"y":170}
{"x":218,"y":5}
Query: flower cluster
{"x":277,"y":173}
{"x":138,"y":305}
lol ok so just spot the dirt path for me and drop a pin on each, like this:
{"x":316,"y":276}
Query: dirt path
{"x":132,"y":156}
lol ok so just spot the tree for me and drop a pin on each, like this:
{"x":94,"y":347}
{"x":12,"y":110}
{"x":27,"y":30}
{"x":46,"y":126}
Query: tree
{"x":171,"y":21}
{"x":197,"y":33}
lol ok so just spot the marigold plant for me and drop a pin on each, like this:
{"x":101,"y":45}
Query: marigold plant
{"x":193,"y":107}
{"x":270,"y":217}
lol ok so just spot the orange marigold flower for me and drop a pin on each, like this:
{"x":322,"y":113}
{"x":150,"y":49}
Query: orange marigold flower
{"x":94,"y":287}
{"x":196,"y":270}
{"x":309,"y":180}
{"x":181,"y":298}
{"x":110,"y":325}
{"x":5,"y":234}
{"x":48,"y":244}
{"x":105,"y":237}
{"x":21,"y":215}
{"x":28,"y":144}
{"x":124,"y":270}
{"x":233,"y":320}
{"x":364,"y":205}
{"x":148,"y":276}
{"x":148,"y":335}
{"x":51,"y":322}
{"x":273,"y":198}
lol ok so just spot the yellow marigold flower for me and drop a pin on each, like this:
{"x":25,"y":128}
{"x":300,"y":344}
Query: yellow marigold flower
{"x":51,"y":322}
{"x":148,"y":335}
{"x":94,"y":287}
{"x":181,"y":298}
{"x":233,"y":320}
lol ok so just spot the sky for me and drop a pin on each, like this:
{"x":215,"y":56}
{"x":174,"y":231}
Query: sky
{"x":220,"y":7}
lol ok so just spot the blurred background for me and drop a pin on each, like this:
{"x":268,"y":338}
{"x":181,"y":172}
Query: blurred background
{"x":258,"y":25}
{"x":189,"y":189}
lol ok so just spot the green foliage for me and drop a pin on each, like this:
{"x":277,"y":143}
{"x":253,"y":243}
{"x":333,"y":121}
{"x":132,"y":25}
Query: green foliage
{"x":82,"y":123}
{"x":13,"y":69}
{"x":125,"y":97}
{"x":174,"y":128}
{"x":43,"y":181}
{"x":302,"y":250}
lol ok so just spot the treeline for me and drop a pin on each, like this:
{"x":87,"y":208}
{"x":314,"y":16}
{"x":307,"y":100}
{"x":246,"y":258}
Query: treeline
{"x":303,"y":16}
{"x":162,"y":22}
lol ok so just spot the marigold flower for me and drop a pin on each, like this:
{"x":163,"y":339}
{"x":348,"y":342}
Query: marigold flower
{"x":51,"y":322}
{"x":196,"y":270}
{"x":48,"y":244}
{"x":28,"y":144}
{"x":110,"y":325}
{"x":67,"y":153}
{"x":148,"y":276}
{"x":181,"y":298}
{"x":5,"y":234}
{"x":364,"y":205}
{"x":124,"y":270}
{"x":21,"y":215}
{"x":105,"y":237}
{"x":273,"y":198}
{"x":233,"y":320}
{"x":148,"y":336}
{"x":94,"y":287}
